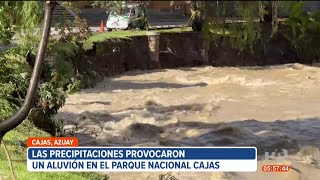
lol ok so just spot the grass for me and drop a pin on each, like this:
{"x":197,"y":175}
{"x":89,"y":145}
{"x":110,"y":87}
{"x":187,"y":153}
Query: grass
{"x":125,"y":34}
{"x":19,"y":159}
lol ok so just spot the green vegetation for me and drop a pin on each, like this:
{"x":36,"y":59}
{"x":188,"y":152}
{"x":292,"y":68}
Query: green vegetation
{"x":305,"y":30}
{"x":18,"y":157}
{"x":13,"y":82}
{"x":60,"y":77}
{"x":58,"y":80}
{"x":242,"y":36}
{"x":125,"y":34}
{"x":301,"y":28}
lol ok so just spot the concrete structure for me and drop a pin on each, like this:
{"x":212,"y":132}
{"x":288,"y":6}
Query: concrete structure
{"x":312,"y":5}
{"x":154,"y":45}
{"x":62,"y":12}
{"x":82,"y":4}
{"x":179,"y":7}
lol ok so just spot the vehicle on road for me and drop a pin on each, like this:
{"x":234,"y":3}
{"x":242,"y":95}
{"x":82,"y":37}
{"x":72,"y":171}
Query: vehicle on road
{"x":131,"y":17}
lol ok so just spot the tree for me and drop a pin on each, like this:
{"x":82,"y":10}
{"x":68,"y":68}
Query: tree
{"x":274,"y":16}
{"x":19,"y":117}
{"x":196,"y":16}
{"x":198,"y":11}
{"x":110,"y":5}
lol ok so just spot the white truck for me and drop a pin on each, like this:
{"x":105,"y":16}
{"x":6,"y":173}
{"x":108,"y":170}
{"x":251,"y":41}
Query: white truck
{"x":132,"y":16}
{"x":136,"y":16}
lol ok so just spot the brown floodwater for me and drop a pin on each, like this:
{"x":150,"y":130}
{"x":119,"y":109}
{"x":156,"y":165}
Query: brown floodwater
{"x":268,"y":107}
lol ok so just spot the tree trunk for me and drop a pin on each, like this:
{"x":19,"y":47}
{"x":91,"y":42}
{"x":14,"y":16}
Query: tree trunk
{"x":261,"y":9}
{"x":193,"y":8}
{"x":196,"y":16}
{"x":267,"y":16}
{"x":19,"y":117}
{"x":274,"y":15}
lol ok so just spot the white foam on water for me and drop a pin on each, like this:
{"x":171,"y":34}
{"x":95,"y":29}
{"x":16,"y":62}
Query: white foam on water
{"x":276,"y":107}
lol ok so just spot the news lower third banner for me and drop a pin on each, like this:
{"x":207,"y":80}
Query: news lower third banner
{"x":141,"y":159}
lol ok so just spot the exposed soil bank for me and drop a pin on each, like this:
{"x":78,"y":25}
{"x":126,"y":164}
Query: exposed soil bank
{"x":186,"y":50}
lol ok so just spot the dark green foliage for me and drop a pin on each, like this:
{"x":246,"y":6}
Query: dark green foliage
{"x":305,"y":31}
{"x":242,"y":36}
{"x":72,"y":30}
{"x":110,"y":5}
{"x":71,"y":59}
{"x":76,"y":30}
{"x":15,"y":74}
{"x":13,"y":82}
{"x":302,"y":28}
{"x":22,"y":19}
{"x":6,"y":29}
{"x":52,"y":94}
{"x":72,"y":62}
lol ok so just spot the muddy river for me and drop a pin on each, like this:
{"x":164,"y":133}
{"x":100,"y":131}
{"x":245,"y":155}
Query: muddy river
{"x":268,"y":107}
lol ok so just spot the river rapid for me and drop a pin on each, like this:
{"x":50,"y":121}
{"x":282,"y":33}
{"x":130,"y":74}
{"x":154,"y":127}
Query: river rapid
{"x":271,"y":108}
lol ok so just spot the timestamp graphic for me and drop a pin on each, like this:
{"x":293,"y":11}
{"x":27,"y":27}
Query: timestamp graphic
{"x":276,"y":168}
